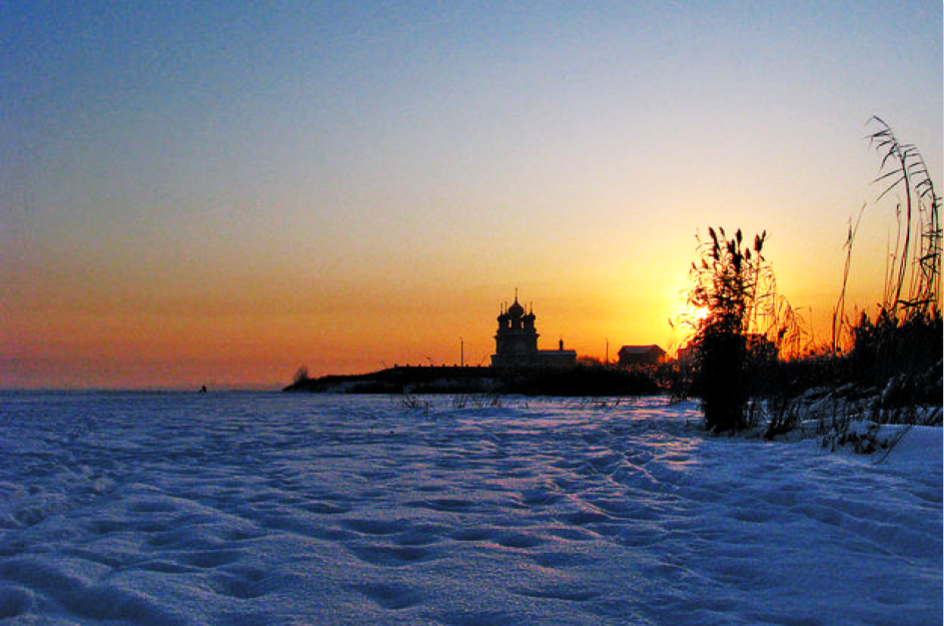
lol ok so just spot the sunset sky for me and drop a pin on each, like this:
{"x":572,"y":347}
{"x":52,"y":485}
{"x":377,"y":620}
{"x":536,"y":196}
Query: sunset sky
{"x":218,"y":194}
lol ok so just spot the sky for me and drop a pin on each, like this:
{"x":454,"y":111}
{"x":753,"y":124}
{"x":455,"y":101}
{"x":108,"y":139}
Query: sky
{"x":220,"y":192}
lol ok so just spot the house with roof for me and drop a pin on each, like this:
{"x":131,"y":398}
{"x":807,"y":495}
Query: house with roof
{"x":641,"y":355}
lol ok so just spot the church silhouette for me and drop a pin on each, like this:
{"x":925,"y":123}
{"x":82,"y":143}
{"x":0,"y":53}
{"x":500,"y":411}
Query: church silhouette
{"x":516,"y":342}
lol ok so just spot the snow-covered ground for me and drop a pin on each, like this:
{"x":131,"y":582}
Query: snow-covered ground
{"x":257,"y":509}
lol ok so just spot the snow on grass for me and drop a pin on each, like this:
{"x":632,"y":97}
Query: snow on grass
{"x":245,"y":509}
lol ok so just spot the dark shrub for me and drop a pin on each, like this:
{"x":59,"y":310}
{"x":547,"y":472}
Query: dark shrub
{"x":725,"y":285}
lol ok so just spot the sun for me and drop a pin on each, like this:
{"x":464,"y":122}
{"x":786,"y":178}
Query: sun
{"x":692,"y":315}
{"x":699,"y":313}
{"x":686,"y":324}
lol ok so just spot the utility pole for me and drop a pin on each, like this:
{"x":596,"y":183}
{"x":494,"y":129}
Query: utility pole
{"x":607,"y":361}
{"x":461,"y":352}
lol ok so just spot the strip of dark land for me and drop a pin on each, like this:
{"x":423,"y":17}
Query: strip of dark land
{"x":580,"y":380}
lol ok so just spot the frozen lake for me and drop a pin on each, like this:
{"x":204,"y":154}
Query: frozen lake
{"x":257,"y":509}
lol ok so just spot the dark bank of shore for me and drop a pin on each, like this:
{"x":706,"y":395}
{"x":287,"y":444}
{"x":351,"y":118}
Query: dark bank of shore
{"x":580,"y":380}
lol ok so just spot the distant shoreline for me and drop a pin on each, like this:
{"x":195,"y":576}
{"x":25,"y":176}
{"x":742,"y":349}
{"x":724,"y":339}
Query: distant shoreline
{"x":579,"y":380}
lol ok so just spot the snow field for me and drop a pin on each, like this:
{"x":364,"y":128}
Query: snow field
{"x":250,"y":509}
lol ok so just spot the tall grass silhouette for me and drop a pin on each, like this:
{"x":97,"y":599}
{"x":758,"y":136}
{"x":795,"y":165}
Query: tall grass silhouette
{"x":725,"y":284}
{"x":912,"y":286}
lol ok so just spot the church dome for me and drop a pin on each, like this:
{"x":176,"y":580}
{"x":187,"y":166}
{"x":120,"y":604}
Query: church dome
{"x":516,"y":310}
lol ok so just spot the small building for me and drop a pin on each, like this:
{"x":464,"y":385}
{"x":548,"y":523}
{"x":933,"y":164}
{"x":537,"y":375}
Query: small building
{"x":757,"y":347}
{"x":516,"y":342}
{"x":686,"y":354}
{"x":641,"y":355}
{"x":760,"y":348}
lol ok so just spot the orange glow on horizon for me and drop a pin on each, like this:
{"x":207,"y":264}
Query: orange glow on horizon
{"x":257,"y":332}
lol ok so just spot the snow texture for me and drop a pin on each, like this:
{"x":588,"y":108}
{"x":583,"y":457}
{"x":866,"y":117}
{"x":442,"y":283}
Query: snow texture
{"x":242,"y":509}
